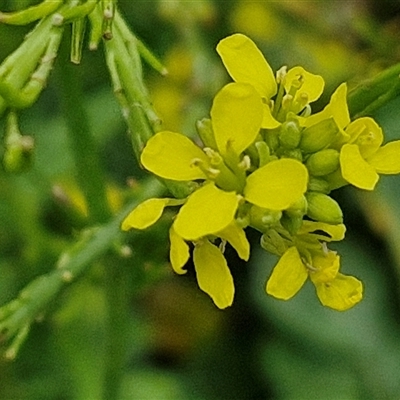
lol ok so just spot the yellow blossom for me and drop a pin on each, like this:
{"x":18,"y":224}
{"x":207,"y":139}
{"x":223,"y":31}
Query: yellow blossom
{"x":245,"y":63}
{"x":209,"y":212}
{"x":260,"y":145}
{"x":333,"y":289}
{"x":364,"y":157}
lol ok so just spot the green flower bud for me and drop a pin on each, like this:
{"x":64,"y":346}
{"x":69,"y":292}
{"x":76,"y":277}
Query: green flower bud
{"x":298,"y":209}
{"x":18,"y":156}
{"x":318,"y":185}
{"x":206,"y":133}
{"x":264,"y":154}
{"x":318,"y":136}
{"x":296,"y":154}
{"x":323,"y":162}
{"x":274,"y":243}
{"x":290,"y":135}
{"x":292,"y":223}
{"x":335,"y":180}
{"x":292,"y":218}
{"x":263,"y":219}
{"x":271,"y":137}
{"x":323,"y":208}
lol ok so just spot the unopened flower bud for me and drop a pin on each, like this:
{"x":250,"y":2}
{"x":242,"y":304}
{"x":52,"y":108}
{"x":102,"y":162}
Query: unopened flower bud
{"x":323,"y":208}
{"x":274,"y":243}
{"x":291,"y":223}
{"x":290,"y":135}
{"x":262,"y":218}
{"x":323,"y":162}
{"x":299,"y":208}
{"x":18,"y":156}
{"x":318,"y":136}
{"x":318,"y":185}
{"x":263,"y":153}
{"x":296,"y":154}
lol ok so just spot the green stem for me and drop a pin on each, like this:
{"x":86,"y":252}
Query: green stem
{"x":39,"y":293}
{"x":89,"y":172}
{"x":117,"y":295}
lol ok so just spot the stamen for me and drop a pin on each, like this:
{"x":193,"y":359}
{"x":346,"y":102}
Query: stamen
{"x":245,"y":164}
{"x":306,"y":111}
{"x":215,"y":158}
{"x":281,"y":75}
{"x":311,"y":268}
{"x":211,"y":173}
{"x":287,"y":101}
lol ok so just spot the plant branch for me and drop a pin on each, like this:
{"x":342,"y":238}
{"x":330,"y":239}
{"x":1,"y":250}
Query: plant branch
{"x":89,"y":172}
{"x":32,"y":301}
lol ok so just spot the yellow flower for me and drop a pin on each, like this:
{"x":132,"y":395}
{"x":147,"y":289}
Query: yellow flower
{"x":236,"y":118}
{"x":334,"y":289}
{"x":209,"y":212}
{"x":336,"y":109}
{"x":245,"y":63}
{"x":364,"y":157}
{"x":309,"y":257}
{"x":259,"y":147}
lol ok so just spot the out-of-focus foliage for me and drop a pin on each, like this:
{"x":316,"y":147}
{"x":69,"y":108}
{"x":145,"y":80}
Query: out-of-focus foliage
{"x":180,"y":346}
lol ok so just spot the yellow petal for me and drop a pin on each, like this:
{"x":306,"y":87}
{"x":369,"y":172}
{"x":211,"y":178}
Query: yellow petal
{"x":213,"y":274}
{"x":337,"y":108}
{"x":145,"y":214}
{"x":366,"y":134}
{"x":236,"y":237}
{"x":333,"y":232}
{"x":387,"y":159}
{"x":208,"y":210}
{"x":355,"y":169}
{"x":245,"y":63}
{"x":269,"y":122}
{"x":179,"y":252}
{"x":170,"y":155}
{"x":327,"y":267}
{"x":277,"y":185}
{"x":340,"y":294}
{"x":236,"y":116}
{"x":313,"y":85}
{"x":288,"y":276}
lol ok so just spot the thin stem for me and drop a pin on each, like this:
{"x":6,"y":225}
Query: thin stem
{"x":39,"y":293}
{"x":89,"y":172}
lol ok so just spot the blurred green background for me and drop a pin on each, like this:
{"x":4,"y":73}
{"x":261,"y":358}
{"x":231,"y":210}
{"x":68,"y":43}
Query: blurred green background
{"x":180,"y":345}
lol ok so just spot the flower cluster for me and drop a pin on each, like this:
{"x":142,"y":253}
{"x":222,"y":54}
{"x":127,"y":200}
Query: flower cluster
{"x":267,"y":163}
